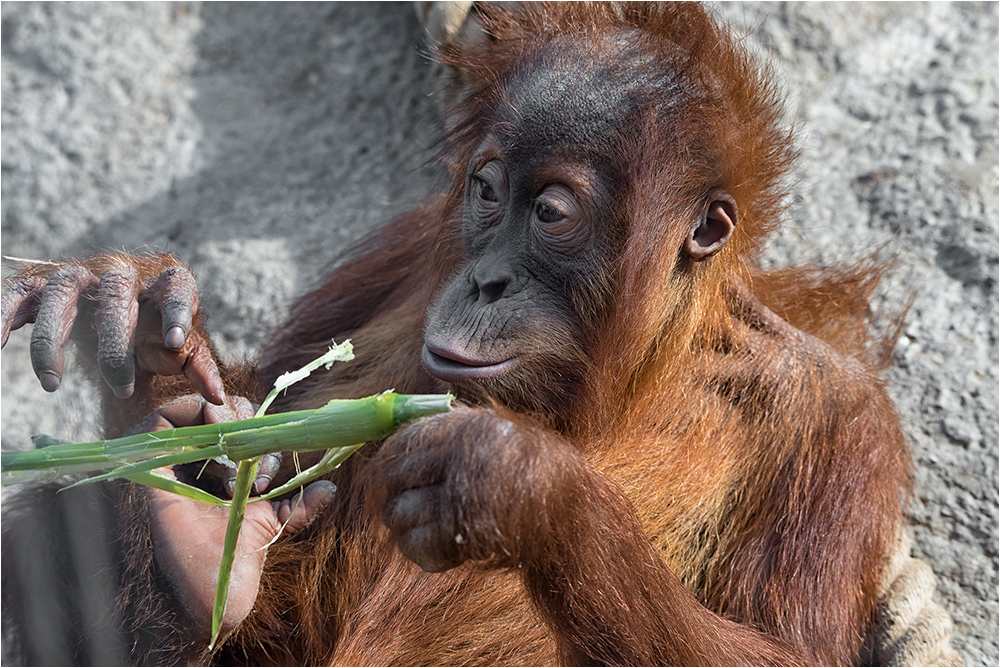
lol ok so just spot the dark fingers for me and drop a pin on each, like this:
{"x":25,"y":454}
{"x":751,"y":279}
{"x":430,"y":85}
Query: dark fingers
{"x":116,"y":321}
{"x":203,"y":372}
{"x":176,"y":294}
{"x":54,"y":321}
{"x":19,"y":303}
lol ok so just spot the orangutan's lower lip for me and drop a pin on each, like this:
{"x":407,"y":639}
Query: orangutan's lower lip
{"x":451,"y":366}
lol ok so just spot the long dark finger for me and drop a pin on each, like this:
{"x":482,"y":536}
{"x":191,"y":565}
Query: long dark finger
{"x":54,"y":322}
{"x":116,"y":321}
{"x":19,"y":303}
{"x":201,"y":369}
{"x":175,"y":292}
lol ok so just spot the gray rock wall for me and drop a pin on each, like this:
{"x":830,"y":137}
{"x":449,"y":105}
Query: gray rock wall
{"x":256,"y":140}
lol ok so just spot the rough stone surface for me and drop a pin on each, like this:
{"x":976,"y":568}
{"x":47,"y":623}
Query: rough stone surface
{"x":256,"y":140}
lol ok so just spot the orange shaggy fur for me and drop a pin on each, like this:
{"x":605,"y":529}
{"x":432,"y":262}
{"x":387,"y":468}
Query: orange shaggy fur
{"x":728,"y":417}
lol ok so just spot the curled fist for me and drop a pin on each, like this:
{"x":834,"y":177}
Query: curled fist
{"x":126,"y":312}
{"x":472,"y":485}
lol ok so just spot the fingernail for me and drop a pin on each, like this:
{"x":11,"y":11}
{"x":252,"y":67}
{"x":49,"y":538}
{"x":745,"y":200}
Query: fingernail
{"x":49,"y":380}
{"x":230,"y":486}
{"x":124,"y":392}
{"x":261,"y":483}
{"x":214,"y":392}
{"x":174,"y":338}
{"x":324,"y":487}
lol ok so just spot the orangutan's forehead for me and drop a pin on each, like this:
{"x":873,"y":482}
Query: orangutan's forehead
{"x":571,"y":94}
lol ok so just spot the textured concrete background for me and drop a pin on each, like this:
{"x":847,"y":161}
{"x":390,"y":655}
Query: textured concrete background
{"x":257,"y":140}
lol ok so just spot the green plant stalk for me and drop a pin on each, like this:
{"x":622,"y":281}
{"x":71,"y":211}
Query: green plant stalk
{"x":63,"y":458}
{"x":247,"y":472}
{"x":338,"y":424}
{"x":330,"y":461}
{"x":245,"y":475}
